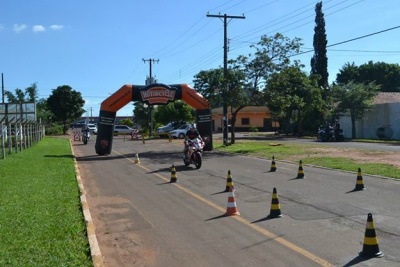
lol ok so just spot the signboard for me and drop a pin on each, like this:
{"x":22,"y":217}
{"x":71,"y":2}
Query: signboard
{"x":158,"y":94}
{"x":21,"y":112}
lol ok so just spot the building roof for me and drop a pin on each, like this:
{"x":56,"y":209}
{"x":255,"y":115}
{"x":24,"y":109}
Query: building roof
{"x":387,"y":97}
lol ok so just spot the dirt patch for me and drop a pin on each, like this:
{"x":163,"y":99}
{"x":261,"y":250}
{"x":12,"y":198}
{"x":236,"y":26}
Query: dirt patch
{"x":361,"y":156}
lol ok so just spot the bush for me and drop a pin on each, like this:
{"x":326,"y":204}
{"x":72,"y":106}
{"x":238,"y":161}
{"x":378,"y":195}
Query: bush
{"x":54,"y":129}
{"x":253,"y":129}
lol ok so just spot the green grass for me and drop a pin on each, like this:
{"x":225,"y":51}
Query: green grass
{"x":309,"y":155}
{"x":41,"y":222}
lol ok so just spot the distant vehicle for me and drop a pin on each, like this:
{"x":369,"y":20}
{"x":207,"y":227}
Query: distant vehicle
{"x":170,"y":126}
{"x":181,"y":131}
{"x":122,"y":129}
{"x":92,"y":127}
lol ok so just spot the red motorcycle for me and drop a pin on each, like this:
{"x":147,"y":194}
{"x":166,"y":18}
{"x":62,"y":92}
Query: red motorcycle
{"x":194,"y":152}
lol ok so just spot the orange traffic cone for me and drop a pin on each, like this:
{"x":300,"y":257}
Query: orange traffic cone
{"x":273,"y":165}
{"x":174,"y":178}
{"x":359,"y":182}
{"x":275,"y":211}
{"x":300,"y":173}
{"x":229,"y":182}
{"x":370,"y":247}
{"x":231,"y":209}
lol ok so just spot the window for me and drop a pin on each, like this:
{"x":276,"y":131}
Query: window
{"x":245,"y":121}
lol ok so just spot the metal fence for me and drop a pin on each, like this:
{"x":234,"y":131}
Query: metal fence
{"x":19,"y":135}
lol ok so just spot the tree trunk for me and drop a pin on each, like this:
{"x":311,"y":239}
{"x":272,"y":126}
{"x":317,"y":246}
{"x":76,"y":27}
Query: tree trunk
{"x":353,"y":127}
{"x":299,"y":124}
{"x":233,"y":122}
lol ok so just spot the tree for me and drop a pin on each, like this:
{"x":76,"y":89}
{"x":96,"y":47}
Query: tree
{"x":141,"y":114}
{"x":383,"y":74}
{"x":319,"y":62}
{"x":127,"y":122}
{"x":30,"y":94}
{"x":175,"y":111}
{"x":66,"y":105}
{"x":291,"y":94}
{"x":357,"y":98}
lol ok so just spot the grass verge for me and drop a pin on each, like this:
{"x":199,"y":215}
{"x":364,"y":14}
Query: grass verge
{"x":41,"y":222}
{"x":310,"y":154}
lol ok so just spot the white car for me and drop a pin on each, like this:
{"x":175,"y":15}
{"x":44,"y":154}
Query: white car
{"x":92,"y":127}
{"x":122,"y":129}
{"x":181,"y":131}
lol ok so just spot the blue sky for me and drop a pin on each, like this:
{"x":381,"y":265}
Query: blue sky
{"x":98,"y":46}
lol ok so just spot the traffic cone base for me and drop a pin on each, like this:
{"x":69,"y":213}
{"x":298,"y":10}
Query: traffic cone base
{"x":231,"y":208}
{"x":174,"y":178}
{"x":370,"y":246}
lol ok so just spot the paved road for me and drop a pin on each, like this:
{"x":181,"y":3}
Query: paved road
{"x":347,"y":144}
{"x":142,"y":220}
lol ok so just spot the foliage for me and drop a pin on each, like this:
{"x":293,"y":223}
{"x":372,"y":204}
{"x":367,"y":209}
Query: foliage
{"x":29,"y":95}
{"x":383,"y":74}
{"x":41,"y":216}
{"x":141,"y":114}
{"x":291,"y":94}
{"x":253,"y":129}
{"x":127,"y":122}
{"x":54,"y":129}
{"x":319,"y":62}
{"x":175,"y":111}
{"x":66,"y":105}
{"x":356,"y":98}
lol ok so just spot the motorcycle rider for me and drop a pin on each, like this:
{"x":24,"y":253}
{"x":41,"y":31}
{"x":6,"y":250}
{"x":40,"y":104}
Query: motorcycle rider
{"x":192,"y":133}
{"x":327,"y":130}
{"x":86,"y":131}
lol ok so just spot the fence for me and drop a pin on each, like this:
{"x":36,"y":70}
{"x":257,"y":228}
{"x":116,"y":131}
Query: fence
{"x":17,"y":136}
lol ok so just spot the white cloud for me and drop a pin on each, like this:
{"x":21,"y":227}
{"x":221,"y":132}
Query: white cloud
{"x":18,"y":28}
{"x":2,"y":27}
{"x":38,"y":28}
{"x":56,"y":27}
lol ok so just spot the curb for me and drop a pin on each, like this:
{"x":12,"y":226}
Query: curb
{"x":95,"y":252}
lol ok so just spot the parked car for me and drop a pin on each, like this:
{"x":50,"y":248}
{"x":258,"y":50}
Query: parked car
{"x":170,"y":126}
{"x":92,"y":127}
{"x":122,"y":129}
{"x":181,"y":131}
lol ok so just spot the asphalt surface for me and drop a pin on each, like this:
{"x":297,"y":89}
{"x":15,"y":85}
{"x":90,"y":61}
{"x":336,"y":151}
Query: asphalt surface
{"x":143,"y":220}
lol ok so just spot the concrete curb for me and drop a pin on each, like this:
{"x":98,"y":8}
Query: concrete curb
{"x":95,"y":252}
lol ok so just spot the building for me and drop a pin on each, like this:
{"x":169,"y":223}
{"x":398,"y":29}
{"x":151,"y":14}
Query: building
{"x":382,"y":122}
{"x":247,"y":117}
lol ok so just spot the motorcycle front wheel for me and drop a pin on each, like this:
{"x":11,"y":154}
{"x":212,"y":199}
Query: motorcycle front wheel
{"x":197,"y":162}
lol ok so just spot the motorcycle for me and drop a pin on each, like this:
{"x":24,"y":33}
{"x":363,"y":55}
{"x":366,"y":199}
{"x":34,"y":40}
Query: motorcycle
{"x":85,"y":136}
{"x":194,"y":152}
{"x":332,"y":136}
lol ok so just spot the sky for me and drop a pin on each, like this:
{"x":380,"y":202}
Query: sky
{"x":97,"y":46}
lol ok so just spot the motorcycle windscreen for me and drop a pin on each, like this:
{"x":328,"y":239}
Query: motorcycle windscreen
{"x":105,"y":132}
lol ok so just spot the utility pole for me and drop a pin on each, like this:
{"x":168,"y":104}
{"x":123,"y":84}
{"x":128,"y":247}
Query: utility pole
{"x":225,"y":90}
{"x":2,"y":86}
{"x":150,"y":82}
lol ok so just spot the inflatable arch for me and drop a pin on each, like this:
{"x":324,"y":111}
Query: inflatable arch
{"x":154,"y":94}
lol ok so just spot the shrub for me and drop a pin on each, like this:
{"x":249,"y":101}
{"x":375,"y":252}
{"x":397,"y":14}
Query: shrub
{"x":253,"y":129}
{"x":54,"y":129}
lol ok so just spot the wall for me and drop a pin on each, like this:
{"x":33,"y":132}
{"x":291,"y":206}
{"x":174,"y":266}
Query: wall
{"x":383,"y":115}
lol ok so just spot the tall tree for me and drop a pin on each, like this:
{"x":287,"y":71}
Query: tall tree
{"x":357,"y":98}
{"x":66,"y":105}
{"x":319,"y":62}
{"x":29,"y":95}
